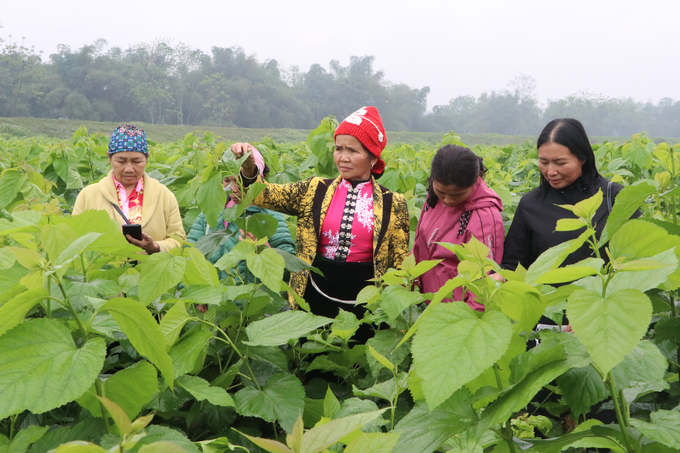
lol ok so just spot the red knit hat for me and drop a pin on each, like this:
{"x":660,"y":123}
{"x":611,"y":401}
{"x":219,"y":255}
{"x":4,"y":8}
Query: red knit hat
{"x":366,"y":126}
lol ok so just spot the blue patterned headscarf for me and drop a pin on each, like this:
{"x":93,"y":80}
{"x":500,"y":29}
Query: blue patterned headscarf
{"x":128,"y":138}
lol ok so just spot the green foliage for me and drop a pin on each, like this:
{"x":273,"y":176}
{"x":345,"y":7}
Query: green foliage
{"x":90,"y":340}
{"x":40,"y":354}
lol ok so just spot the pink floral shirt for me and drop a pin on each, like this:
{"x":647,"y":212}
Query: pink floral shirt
{"x":131,"y":205}
{"x":361,"y":248}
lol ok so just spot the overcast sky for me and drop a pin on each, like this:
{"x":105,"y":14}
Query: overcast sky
{"x":616,"y":48}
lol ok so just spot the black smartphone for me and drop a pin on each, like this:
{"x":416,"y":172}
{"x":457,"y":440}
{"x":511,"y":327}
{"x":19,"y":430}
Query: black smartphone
{"x":133,"y":230}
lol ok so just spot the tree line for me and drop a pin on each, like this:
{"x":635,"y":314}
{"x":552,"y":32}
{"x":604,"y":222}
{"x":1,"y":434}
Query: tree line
{"x":162,"y":83}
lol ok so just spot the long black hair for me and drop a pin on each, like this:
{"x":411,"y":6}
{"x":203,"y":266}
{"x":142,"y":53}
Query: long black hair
{"x":570,"y":132}
{"x":456,"y":165}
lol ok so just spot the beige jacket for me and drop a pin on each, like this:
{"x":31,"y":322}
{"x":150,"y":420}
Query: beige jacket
{"x":160,"y":212}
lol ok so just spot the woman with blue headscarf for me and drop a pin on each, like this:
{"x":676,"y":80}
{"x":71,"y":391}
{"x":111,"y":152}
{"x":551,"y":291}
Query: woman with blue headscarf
{"x":130,"y":196}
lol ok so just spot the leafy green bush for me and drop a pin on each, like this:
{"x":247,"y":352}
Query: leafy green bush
{"x":100,"y":354}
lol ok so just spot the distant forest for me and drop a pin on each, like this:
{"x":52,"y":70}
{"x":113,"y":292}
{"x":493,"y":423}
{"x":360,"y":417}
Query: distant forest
{"x":162,"y":83}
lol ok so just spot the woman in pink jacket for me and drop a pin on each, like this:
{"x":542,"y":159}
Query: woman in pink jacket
{"x":459,"y":206}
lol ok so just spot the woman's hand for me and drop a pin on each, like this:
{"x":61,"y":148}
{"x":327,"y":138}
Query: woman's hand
{"x":498,"y":277}
{"x":250,"y":236}
{"x":147,"y":243}
{"x":248,"y":167}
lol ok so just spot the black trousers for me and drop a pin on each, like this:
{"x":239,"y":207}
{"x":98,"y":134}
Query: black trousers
{"x":341,"y":280}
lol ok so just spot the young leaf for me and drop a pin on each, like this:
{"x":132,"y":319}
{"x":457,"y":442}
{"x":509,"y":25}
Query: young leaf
{"x":345,"y":325}
{"x":570,"y":224}
{"x":28,"y":258}
{"x":55,"y":239}
{"x":133,"y":387}
{"x":38,"y":344}
{"x":644,"y":280}
{"x":189,"y":350}
{"x":565,"y":274}
{"x":143,"y":332}
{"x":26,"y":437}
{"x":610,"y":328}
{"x":118,"y":415}
{"x":250,"y":195}
{"x":130,"y":388}
{"x":368,"y":295}
{"x":586,"y":208}
{"x":520,"y":302}
{"x":199,"y":271}
{"x":7,"y":258}
{"x":627,"y":202}
{"x":445,"y":291}
{"x":173,"y":322}
{"x":201,"y":390}
{"x":373,"y":443}
{"x":268,"y":266}
{"x":269,"y":445}
{"x":111,"y":240}
{"x":262,"y":225}
{"x":422,"y":267}
{"x":278,"y":329}
{"x":294,"y":440}
{"x":159,"y":273}
{"x":641,"y":239}
{"x":79,"y":446}
{"x":331,"y":405}
{"x":555,"y":256}
{"x":156,"y":433}
{"x":321,"y":437}
{"x":73,"y":251}
{"x":381,"y":358}
{"x":211,"y":198}
{"x":395,"y":299}
{"x":280,"y":399}
{"x":472,"y":344}
{"x":13,"y":311}
{"x":10,"y":184}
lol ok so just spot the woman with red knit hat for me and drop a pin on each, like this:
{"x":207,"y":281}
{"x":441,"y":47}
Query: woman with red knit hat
{"x":349,"y":227}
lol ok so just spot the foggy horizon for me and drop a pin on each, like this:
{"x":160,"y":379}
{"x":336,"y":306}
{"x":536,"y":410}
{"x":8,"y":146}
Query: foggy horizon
{"x":609,"y":49}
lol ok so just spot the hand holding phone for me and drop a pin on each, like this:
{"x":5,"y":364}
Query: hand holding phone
{"x":133,"y":230}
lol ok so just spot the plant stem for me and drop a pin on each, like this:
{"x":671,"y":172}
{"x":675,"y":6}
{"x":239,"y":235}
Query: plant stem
{"x":623,"y":421}
{"x":228,"y":340}
{"x":48,"y":305}
{"x":674,"y":312}
{"x":100,"y":392}
{"x":507,"y":429}
{"x":13,"y":420}
{"x":82,"y":264}
{"x":68,"y":305}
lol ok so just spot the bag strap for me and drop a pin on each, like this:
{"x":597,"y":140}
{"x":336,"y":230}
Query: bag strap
{"x":609,"y":196}
{"x":387,"y":214}
{"x":127,"y":222}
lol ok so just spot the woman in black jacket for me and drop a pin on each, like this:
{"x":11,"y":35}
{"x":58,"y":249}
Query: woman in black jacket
{"x":568,"y":175}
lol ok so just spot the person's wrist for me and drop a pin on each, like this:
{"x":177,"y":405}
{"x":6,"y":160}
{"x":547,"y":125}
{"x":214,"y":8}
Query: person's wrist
{"x":249,"y":173}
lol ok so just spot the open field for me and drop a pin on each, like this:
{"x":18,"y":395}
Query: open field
{"x":162,"y":133}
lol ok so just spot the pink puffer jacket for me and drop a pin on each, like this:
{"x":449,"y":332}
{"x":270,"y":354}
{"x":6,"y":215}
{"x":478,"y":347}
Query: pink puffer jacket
{"x":443,"y":224}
